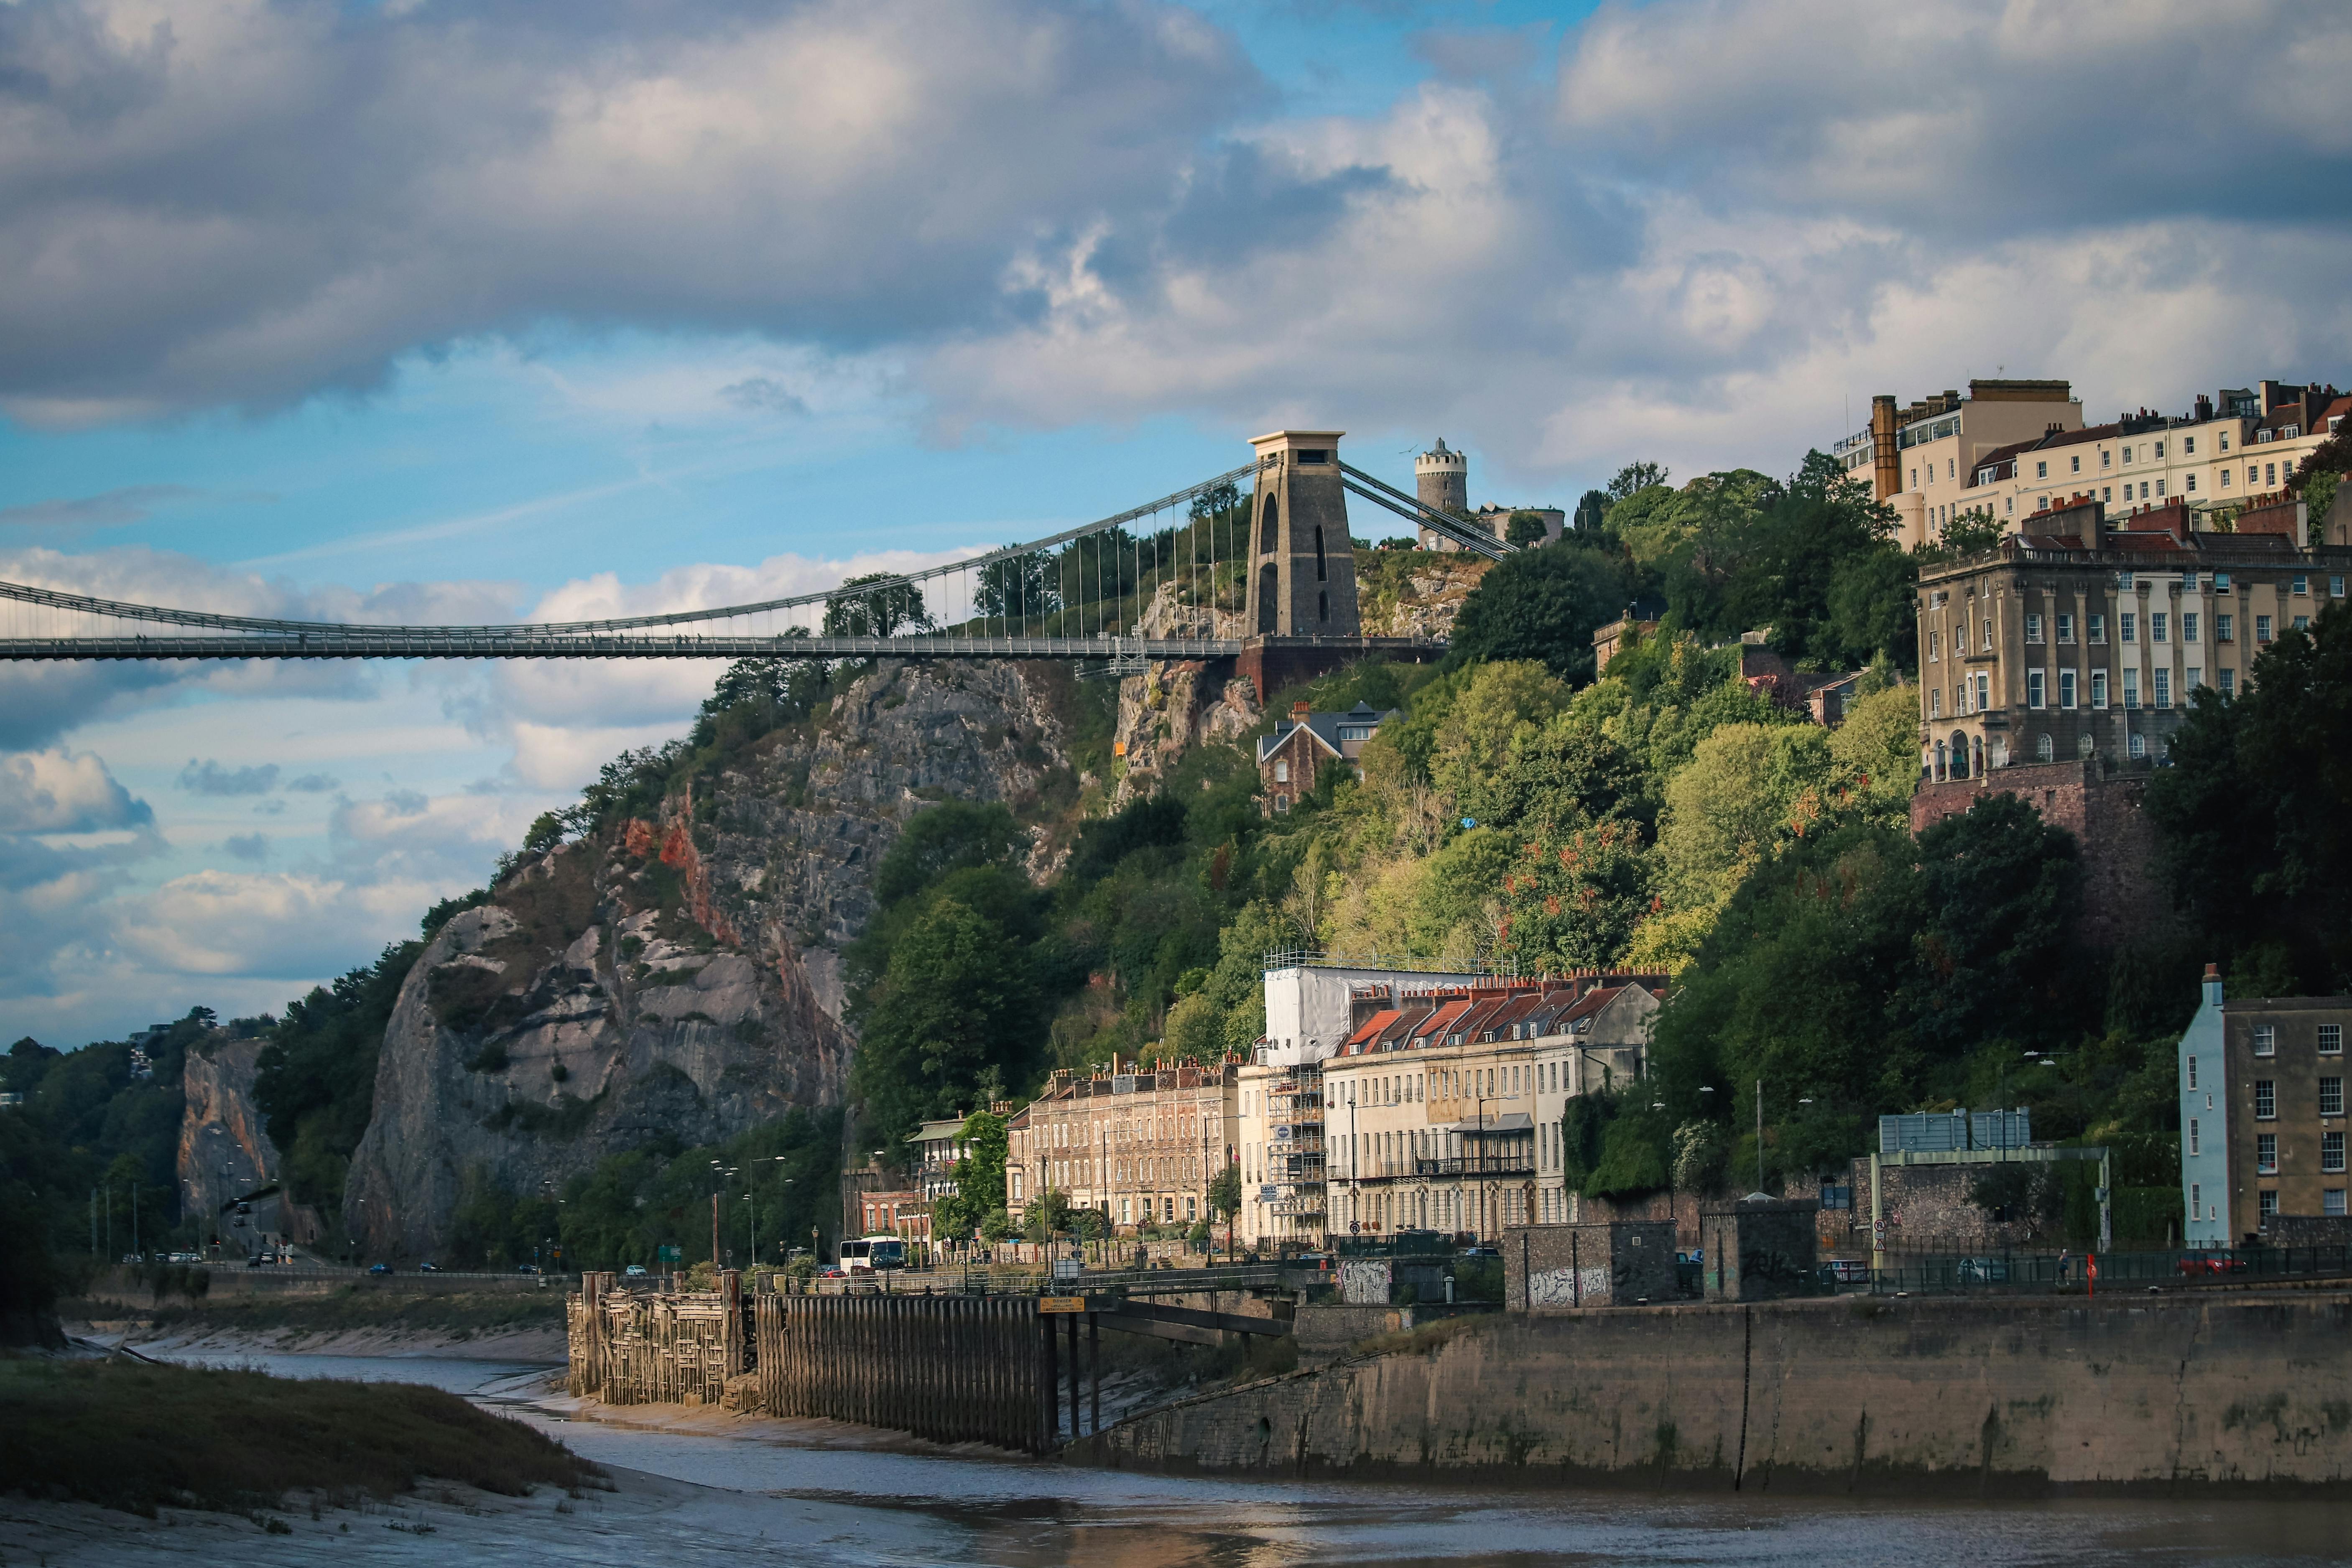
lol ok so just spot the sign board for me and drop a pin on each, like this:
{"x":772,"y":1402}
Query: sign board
{"x":667,"y":1254}
{"x":1061,"y":1303}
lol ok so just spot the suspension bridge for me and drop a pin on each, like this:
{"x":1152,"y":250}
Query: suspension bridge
{"x":1253,"y":564}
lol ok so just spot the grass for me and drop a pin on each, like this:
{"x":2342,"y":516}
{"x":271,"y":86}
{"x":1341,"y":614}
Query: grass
{"x":1422,"y":1337}
{"x":139,"y":1436}
{"x":459,"y":1315}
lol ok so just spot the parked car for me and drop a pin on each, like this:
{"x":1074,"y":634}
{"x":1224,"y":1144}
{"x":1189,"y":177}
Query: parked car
{"x":1984,"y":1272}
{"x":380,"y":1268}
{"x":634,"y":1271}
{"x":1849,"y":1270}
{"x":428,"y":1268}
{"x":2211,"y":1263}
{"x":525,"y":1268}
{"x":832,"y":1272}
{"x":245,"y":1208}
{"x":1480,"y":1252}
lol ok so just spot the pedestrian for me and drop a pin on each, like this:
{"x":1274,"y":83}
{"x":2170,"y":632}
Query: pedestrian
{"x":2065,"y":1266}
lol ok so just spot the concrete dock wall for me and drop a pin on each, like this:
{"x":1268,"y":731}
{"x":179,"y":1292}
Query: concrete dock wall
{"x":1851,"y":1394}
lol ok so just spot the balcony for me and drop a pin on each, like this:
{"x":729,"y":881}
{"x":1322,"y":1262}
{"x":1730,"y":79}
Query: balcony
{"x":1477,"y":1165}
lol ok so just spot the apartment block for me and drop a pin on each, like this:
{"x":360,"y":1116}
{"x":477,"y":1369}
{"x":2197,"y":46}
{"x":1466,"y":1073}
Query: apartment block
{"x":2011,"y":449}
{"x":2263,"y":1125}
{"x":2084,"y":635}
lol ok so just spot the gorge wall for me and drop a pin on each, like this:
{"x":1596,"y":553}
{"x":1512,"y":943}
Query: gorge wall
{"x":678,"y":976}
{"x":1854,"y":1396}
{"x":224,"y":1152}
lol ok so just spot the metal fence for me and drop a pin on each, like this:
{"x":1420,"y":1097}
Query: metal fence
{"x":2005,"y":1272}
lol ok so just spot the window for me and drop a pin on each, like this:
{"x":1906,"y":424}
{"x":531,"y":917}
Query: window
{"x":2262,"y":628}
{"x":2187,"y":627}
{"x":2331,"y":1153}
{"x":2194,"y":1147}
{"x":2331,"y":1201}
{"x":2189,"y":582}
{"x":2265,"y":1039}
{"x":2099,"y":629}
{"x":2099,"y":688}
{"x":2225,"y":478}
{"x":1987,"y":639}
{"x":2191,"y":679}
{"x":2033,"y":628}
{"x":2270,"y":474}
{"x":2225,"y":628}
{"x":2188,"y":446}
{"x":2160,"y":449}
{"x":2042,"y":471}
{"x":2158,"y":625}
{"x":2301,"y":623}
{"x":2066,"y":628}
{"x":2033,"y":688}
{"x":2268,"y":1203}
{"x":2225,"y":440}
{"x":2302,"y":585}
{"x":2163,"y":692}
{"x":2192,"y":1072}
{"x":2331,"y":1039}
{"x":1935,"y":702}
{"x":2044,"y":749}
{"x":2066,"y":688}
{"x":2075,"y":464}
{"x":2229,"y":682}
{"x":2265,"y":1099}
{"x":2159,"y":489}
{"x":2190,"y":482}
{"x":2128,"y":625}
{"x":1984,"y":692}
{"x":2336,"y":587}
{"x":1281,"y":804}
{"x":2195,"y":1198}
{"x":2131,"y":692}
{"x":2331,"y":1096}
{"x":1282,"y":770}
{"x":2267,"y":1154}
{"x":1935,"y":647}
{"x":2107,"y":493}
{"x":2221,"y":582}
{"x":2127,"y":451}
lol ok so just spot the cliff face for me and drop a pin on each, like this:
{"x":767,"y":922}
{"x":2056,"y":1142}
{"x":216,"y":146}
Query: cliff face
{"x":678,"y":976}
{"x":224,"y":1152}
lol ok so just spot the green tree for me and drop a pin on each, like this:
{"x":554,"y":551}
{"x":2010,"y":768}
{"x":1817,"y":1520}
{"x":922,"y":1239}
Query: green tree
{"x":980,"y":1177}
{"x":1225,"y":1193}
{"x":1572,"y":903}
{"x":315,"y":1080}
{"x":1526,"y":528}
{"x":2255,"y":812}
{"x":1750,"y":790}
{"x":951,"y":836}
{"x":1541,"y":605}
{"x":1021,"y":587}
{"x":952,"y":1005}
{"x":1636,"y":477}
{"x":884,"y":605}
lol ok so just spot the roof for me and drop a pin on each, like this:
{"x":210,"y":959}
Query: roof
{"x":1502,"y":1121}
{"x":1373,"y":1025}
{"x":1324,"y":728}
{"x":1442,"y":1018}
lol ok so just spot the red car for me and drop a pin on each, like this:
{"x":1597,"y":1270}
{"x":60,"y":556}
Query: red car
{"x":2211,"y":1263}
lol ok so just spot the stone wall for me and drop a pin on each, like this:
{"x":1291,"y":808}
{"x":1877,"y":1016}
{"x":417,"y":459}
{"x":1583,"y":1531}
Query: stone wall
{"x":1843,"y":1395}
{"x":1758,"y":1249}
{"x":2123,"y":901}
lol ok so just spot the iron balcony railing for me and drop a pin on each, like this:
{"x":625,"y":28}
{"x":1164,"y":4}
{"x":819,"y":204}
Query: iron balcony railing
{"x":1477,"y":1165}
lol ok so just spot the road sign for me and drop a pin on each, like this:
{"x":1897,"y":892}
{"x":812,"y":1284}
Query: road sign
{"x":667,"y":1255}
{"x":1061,"y":1303}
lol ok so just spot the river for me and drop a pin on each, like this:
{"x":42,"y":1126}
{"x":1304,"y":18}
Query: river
{"x":789,"y":1501}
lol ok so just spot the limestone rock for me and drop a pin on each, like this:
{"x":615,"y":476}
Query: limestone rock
{"x":678,"y":977}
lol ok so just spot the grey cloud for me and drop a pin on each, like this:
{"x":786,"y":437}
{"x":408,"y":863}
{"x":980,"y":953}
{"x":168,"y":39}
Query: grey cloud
{"x":269,"y":808}
{"x":248,"y":847}
{"x":257,"y":203}
{"x":407,"y":802}
{"x":313,"y":783}
{"x":109,"y":508}
{"x":209,"y":777}
{"x":764,"y":394}
{"x":64,"y":792}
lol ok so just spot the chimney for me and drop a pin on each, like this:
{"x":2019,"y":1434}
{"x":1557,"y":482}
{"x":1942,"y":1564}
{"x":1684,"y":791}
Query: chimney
{"x":1298,"y":712}
{"x":2204,"y":408}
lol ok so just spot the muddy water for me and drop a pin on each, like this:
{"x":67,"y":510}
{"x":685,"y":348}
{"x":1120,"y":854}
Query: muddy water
{"x":790,"y":1501}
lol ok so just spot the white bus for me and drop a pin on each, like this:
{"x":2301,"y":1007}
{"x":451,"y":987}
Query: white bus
{"x":870,"y":1254}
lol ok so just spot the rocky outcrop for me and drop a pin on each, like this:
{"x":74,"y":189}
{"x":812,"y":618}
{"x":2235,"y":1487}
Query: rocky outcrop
{"x":224,"y":1150}
{"x":1415,"y":593}
{"x":676,"y":979}
{"x":1172,"y":708}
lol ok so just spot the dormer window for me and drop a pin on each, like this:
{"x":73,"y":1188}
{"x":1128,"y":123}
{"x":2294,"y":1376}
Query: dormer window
{"x":2265,"y":435}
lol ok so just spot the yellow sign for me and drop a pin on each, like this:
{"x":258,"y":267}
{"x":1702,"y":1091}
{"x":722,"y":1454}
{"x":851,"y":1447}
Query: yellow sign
{"x":1061,"y":1303}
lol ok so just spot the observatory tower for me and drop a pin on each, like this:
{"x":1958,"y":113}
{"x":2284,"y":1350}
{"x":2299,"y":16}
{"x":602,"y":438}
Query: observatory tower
{"x":1441,"y":478}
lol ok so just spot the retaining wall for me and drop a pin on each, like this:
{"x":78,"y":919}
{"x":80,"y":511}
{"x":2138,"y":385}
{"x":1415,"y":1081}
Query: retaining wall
{"x":1849,"y":1395}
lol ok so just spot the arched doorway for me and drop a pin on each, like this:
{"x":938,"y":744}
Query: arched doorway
{"x":1269,"y":588}
{"x":1266,"y":528}
{"x":1318,"y":553}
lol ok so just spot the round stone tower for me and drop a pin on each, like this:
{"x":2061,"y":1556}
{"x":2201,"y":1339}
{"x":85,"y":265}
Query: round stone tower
{"x":1441,"y":478}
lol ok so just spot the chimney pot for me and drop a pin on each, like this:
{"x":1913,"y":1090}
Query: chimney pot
{"x":1298,"y":710}
{"x":2212,"y":972}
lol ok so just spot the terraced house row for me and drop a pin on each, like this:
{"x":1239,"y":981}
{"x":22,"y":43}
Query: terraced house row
{"x":1378,"y":1100}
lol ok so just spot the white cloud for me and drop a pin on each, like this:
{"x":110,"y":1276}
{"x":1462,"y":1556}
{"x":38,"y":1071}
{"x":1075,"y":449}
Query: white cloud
{"x":271,"y":925}
{"x":64,"y":791}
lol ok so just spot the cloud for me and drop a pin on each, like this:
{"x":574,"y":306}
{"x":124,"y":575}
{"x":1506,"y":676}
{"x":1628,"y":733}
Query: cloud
{"x":208,"y":777}
{"x":64,"y":791}
{"x":313,"y":783}
{"x":275,"y":924}
{"x":252,"y":846}
{"x":133,"y":503}
{"x":764,"y":393}
{"x":249,"y":204}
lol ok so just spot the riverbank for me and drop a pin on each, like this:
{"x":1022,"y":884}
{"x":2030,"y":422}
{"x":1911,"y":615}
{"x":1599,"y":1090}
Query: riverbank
{"x":2169,"y":1395}
{"x":501,"y":1328}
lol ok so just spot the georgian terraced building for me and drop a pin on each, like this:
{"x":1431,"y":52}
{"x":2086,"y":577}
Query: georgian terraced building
{"x":2085,"y":634}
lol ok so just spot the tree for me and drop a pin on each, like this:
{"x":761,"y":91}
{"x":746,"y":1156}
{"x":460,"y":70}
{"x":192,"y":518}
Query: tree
{"x":1226,"y":1191}
{"x":1541,"y":605}
{"x":948,"y":837}
{"x":1634,"y":476}
{"x":1526,"y":528}
{"x":315,"y":1080}
{"x":1572,"y":903}
{"x":1019,"y":588}
{"x":1750,"y":790}
{"x":2255,"y":812}
{"x":880,"y":610}
{"x":1591,"y":514}
{"x":955,"y":1002}
{"x":2000,"y":897}
{"x":980,"y":1177}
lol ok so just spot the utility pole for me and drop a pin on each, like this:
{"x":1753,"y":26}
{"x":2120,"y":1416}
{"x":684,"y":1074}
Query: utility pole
{"x":1760,"y":1134}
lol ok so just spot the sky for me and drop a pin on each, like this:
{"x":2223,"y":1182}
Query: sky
{"x":484,"y":309}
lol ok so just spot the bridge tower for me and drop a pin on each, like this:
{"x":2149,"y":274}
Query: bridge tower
{"x":1302,"y":579}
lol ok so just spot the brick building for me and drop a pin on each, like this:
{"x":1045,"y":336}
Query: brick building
{"x":2263,"y":1123}
{"x":1290,"y":760}
{"x":1139,"y":1143}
